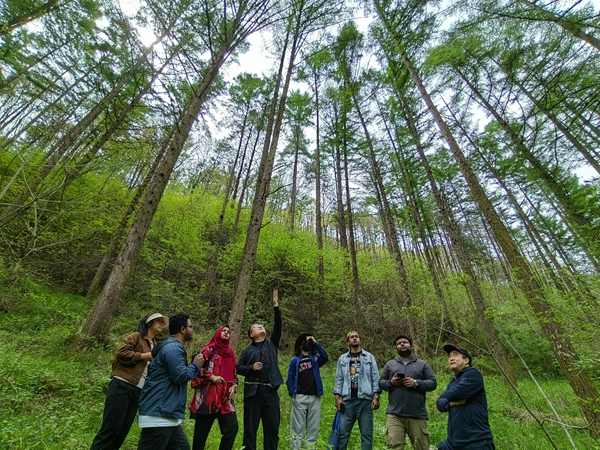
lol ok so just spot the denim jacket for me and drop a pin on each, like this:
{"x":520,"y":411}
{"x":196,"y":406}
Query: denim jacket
{"x":368,"y":383}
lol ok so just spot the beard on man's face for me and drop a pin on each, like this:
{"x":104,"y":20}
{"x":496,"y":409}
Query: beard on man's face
{"x":405,"y":353}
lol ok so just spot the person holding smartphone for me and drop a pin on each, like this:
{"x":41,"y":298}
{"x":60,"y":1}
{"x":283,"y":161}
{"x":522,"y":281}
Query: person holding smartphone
{"x":407,"y":379}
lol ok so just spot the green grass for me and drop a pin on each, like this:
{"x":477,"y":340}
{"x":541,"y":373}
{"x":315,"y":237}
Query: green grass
{"x":52,"y":398}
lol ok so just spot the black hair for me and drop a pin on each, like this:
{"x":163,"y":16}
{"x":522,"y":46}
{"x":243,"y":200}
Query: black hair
{"x":403,"y":336}
{"x":142,"y":326}
{"x":177,"y":321}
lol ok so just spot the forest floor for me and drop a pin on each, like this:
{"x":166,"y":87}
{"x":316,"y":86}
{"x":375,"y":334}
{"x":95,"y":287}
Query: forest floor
{"x":52,"y":397}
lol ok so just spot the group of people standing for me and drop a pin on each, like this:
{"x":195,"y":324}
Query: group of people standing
{"x":159,"y":391}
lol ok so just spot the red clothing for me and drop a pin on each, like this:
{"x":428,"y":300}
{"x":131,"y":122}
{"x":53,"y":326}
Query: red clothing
{"x":210,"y":398}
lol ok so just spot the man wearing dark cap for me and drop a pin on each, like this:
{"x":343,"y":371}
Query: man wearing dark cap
{"x":258,"y":364}
{"x":407,"y":379}
{"x":306,"y":388}
{"x":465,"y":401}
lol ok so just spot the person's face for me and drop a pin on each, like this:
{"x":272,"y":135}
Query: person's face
{"x":225,"y":334}
{"x":403,"y":346}
{"x":258,"y":330}
{"x":156,"y":325}
{"x":354,"y":340}
{"x":189,"y":331}
{"x":457,"y":361}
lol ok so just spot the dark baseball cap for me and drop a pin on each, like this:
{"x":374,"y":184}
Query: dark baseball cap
{"x":451,"y":347}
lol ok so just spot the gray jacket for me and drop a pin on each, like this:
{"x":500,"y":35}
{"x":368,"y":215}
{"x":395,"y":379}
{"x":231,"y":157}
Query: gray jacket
{"x":408,"y":401}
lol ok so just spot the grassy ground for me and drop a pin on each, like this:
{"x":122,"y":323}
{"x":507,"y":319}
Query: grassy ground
{"x":52,"y":398}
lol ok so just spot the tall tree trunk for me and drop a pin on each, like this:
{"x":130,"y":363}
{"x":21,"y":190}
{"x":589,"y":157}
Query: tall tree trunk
{"x":359,"y":319}
{"x":261,"y":194}
{"x":98,"y":321}
{"x":459,"y":250}
{"x":389,"y":225}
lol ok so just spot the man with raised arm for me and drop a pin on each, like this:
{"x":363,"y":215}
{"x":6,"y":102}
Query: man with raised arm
{"x":258,"y":364}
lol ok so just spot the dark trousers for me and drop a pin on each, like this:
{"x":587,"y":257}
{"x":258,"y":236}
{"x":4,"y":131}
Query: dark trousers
{"x":120,"y":408}
{"x":487,"y":444}
{"x":163,"y":438}
{"x":263,"y":405}
{"x":228,"y":425}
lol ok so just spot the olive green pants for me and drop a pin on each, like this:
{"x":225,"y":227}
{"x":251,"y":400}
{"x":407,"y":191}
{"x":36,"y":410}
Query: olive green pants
{"x":399,"y":427}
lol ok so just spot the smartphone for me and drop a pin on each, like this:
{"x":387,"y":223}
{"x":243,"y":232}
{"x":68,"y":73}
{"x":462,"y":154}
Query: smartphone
{"x":342,"y":408}
{"x":399,"y":375}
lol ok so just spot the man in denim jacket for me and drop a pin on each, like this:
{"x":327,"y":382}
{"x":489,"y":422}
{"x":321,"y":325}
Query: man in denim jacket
{"x":356,"y":392}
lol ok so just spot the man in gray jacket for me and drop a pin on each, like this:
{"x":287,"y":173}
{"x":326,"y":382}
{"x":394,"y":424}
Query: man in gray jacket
{"x":407,"y":379}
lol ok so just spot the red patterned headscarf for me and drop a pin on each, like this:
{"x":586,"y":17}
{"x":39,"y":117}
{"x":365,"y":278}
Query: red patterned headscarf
{"x":221,"y":345}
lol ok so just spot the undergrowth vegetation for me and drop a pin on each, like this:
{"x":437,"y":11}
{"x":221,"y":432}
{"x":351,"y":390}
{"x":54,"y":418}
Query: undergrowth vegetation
{"x":52,"y":397}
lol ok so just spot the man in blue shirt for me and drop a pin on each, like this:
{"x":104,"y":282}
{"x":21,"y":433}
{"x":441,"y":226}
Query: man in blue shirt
{"x":466,"y":404}
{"x":163,"y":399}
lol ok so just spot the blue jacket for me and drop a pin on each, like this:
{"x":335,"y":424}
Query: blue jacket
{"x":369,"y":377}
{"x":467,"y":423}
{"x":317,"y":361}
{"x":165,"y":391}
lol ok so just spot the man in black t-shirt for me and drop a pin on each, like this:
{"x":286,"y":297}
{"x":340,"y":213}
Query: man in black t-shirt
{"x":306,"y":388}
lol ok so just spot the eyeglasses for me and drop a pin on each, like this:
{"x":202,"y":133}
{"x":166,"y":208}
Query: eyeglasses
{"x":403,"y":342}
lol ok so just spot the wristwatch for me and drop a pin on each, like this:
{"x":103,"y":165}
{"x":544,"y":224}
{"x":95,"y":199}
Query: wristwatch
{"x":416,"y":383}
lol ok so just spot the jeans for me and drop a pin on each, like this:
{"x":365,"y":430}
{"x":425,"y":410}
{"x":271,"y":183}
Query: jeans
{"x":306,"y":413}
{"x":262,"y":405}
{"x":163,"y":438}
{"x":228,"y":425}
{"x":120,"y":408}
{"x":357,"y":409}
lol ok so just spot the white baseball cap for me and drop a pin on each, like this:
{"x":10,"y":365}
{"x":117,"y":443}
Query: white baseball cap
{"x":151,"y":317}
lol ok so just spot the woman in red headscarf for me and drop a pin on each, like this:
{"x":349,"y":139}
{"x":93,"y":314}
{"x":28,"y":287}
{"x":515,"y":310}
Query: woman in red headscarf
{"x":214,"y":392}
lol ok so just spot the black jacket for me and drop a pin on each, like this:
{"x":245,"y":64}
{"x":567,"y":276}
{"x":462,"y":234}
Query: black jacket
{"x":467,"y":423}
{"x":408,"y":401}
{"x":265,"y":352}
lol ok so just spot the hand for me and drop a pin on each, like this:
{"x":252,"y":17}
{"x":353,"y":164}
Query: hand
{"x":375,"y":404}
{"x":257,"y":366}
{"x":396,"y":380}
{"x":409,"y":382}
{"x":232,"y":391}
{"x":216,"y":379}
{"x":199,"y":359}
{"x":339,"y":403}
{"x":458,"y":402}
{"x":311,"y":339}
{"x":147,"y":356}
{"x":275,"y":298}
